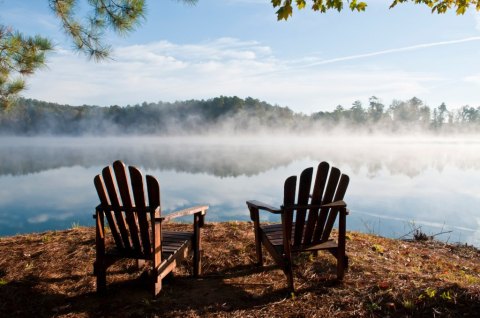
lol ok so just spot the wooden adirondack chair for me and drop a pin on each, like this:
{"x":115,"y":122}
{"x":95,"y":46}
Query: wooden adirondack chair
{"x":136,"y":227}
{"x":314,"y":214}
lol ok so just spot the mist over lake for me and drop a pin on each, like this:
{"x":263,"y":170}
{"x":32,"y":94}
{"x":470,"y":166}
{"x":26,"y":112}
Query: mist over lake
{"x":397,"y":184}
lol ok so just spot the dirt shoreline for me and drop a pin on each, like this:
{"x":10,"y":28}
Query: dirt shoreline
{"x":50,"y":275}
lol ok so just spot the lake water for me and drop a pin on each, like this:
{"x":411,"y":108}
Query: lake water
{"x":396,"y":184}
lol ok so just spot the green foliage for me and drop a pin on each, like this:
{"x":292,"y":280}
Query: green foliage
{"x":438,"y":6}
{"x":121,"y":16}
{"x":373,"y":306}
{"x":378,"y":248}
{"x":408,"y":304}
{"x":20,"y":56}
{"x":430,"y":292}
{"x":285,"y":8}
{"x":446,"y":295}
{"x":442,"y":6}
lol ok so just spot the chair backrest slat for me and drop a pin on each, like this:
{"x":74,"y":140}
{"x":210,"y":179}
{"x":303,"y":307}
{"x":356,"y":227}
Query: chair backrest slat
{"x":340,"y":193}
{"x":303,"y":198}
{"x":115,"y":202}
{"x":288,"y":200}
{"x":327,"y":198}
{"x":153,"y":190}
{"x":104,"y":200}
{"x":136,"y":180}
{"x":121,"y":176}
{"x":317,"y":193}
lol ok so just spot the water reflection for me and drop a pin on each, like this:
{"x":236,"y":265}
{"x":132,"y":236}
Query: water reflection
{"x":231,"y":157}
{"x":46,"y":183}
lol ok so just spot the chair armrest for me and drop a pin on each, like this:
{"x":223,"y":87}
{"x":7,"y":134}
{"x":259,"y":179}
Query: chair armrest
{"x":263,"y":206}
{"x":336,"y":204}
{"x":98,"y":208}
{"x":202,"y":209}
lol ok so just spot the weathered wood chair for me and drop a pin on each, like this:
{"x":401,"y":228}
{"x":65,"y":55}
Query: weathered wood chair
{"x":314,"y":214}
{"x":136,"y":227}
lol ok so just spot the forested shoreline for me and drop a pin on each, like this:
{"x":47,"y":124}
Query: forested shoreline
{"x":233,"y":115}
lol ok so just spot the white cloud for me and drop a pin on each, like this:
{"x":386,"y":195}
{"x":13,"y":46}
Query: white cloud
{"x":167,"y":71}
{"x":474,"y":79}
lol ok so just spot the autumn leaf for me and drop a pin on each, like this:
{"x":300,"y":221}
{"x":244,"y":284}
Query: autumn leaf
{"x":301,"y":4}
{"x":284,"y":12}
{"x":276,"y":3}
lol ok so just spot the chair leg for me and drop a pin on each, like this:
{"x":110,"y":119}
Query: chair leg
{"x":341,"y":257}
{"x":342,"y":261}
{"x":258,"y":243}
{"x":99,"y":266}
{"x":258,"y":249}
{"x":157,"y":286}
{"x":289,"y":274}
{"x":197,"y":262}
{"x":101,"y":273}
{"x":342,"y":264}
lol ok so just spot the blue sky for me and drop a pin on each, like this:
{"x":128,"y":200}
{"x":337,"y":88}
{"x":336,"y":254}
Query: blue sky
{"x":311,"y":62}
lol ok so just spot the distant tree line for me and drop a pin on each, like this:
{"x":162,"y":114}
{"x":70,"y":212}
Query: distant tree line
{"x":403,"y":116}
{"x":232,"y":115}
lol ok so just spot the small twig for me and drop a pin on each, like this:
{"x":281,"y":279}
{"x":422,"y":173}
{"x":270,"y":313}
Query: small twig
{"x":275,"y":303}
{"x":440,"y":233}
{"x":404,"y":235}
{"x":254,"y":284}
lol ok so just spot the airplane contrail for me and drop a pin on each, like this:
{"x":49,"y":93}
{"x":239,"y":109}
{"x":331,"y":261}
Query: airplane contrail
{"x":366,"y":55}
{"x":402,"y":49}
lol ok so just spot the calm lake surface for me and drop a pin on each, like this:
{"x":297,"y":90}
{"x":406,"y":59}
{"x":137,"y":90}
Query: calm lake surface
{"x":396,"y":184}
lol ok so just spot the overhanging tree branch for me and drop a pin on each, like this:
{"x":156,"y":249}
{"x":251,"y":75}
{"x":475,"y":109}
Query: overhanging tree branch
{"x":285,"y":7}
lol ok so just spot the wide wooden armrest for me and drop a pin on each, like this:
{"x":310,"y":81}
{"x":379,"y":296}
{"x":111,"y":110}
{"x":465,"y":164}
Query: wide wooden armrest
{"x":263,"y":206}
{"x":202,"y":209}
{"x":340,"y":204}
{"x":336,"y":204}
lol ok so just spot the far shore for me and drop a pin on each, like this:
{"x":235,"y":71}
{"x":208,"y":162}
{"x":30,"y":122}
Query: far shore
{"x":50,"y":275}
